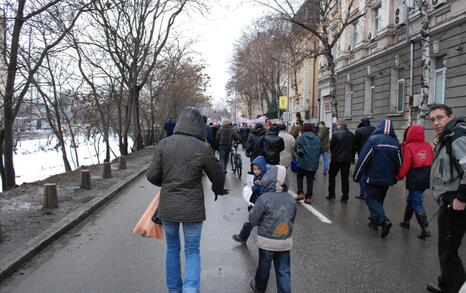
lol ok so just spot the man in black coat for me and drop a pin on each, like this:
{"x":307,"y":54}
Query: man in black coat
{"x":361,"y":135}
{"x":341,"y":156}
{"x":272,"y":145}
{"x":252,"y":145}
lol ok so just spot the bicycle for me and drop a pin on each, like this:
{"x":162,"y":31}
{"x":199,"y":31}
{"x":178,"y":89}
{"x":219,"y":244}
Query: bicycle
{"x":236,"y":161}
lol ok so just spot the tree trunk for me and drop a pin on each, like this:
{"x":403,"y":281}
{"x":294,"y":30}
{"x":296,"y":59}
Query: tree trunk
{"x":10,"y":180}
{"x":2,"y":169}
{"x":425,"y":61}
{"x":332,"y":85}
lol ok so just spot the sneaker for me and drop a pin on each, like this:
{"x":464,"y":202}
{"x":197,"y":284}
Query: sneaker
{"x":344,"y":200}
{"x":308,"y":201}
{"x":361,"y":196}
{"x":434,"y":288}
{"x":252,"y":284}
{"x":238,"y":239}
{"x":330,"y":197}
{"x":325,"y":173}
{"x":385,"y":229}
{"x":373,"y":226}
{"x":404,"y":225}
{"x":300,"y":196}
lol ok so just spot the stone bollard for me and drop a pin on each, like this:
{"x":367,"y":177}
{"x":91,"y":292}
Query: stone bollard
{"x":107,"y":170}
{"x":122,"y":162}
{"x":85,"y":179}
{"x":50,"y":196}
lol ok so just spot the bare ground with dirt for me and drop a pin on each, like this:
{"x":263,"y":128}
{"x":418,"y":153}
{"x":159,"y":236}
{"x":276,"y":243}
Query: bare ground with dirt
{"x":22,"y":216}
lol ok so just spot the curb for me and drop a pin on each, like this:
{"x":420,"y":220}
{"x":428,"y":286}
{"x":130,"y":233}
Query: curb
{"x":17,"y":259}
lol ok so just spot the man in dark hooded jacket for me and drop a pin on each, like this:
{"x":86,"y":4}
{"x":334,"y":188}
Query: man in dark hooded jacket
{"x":177,"y":167}
{"x":252,"y":146}
{"x":361,"y":135}
{"x":379,"y":162}
{"x":226,"y":135}
{"x":272,"y":144}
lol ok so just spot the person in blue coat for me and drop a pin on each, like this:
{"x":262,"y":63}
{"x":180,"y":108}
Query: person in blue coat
{"x":308,"y":149}
{"x":379,"y":162}
{"x":169,"y":127}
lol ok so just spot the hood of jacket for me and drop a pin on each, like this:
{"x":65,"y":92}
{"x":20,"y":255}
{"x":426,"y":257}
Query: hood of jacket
{"x":258,"y":131}
{"x":191,"y":123}
{"x":275,"y":180}
{"x":324,"y":130}
{"x":274,"y":129}
{"x":385,"y":127}
{"x":261,"y":163}
{"x":415,"y":134}
{"x":448,"y":130}
{"x":364,"y":122}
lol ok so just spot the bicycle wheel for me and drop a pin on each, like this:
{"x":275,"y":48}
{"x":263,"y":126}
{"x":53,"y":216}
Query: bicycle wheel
{"x":232,"y":160}
{"x":239,"y":165}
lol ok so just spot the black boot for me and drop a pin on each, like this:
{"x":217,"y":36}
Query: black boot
{"x":407,"y":217}
{"x":422,"y":220}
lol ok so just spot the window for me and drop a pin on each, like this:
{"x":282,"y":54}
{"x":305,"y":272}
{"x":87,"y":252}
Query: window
{"x":369,"y":95}
{"x":377,"y":18}
{"x":401,"y":91}
{"x":348,"y":99}
{"x":372,"y":95}
{"x":355,"y":37}
{"x":439,"y":79}
{"x":335,"y":49}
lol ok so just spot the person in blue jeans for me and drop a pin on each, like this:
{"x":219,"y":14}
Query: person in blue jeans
{"x":274,"y":214}
{"x":324,"y":135}
{"x":177,"y":166}
{"x":259,"y":168}
{"x":379,"y":162}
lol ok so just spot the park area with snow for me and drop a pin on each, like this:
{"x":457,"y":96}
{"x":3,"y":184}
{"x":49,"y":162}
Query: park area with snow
{"x":39,"y":158}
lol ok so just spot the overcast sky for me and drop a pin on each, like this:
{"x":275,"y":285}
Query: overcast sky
{"x":216,"y":35}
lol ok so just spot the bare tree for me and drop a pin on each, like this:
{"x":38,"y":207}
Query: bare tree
{"x":23,"y":18}
{"x":326,"y":20}
{"x":135,"y":32}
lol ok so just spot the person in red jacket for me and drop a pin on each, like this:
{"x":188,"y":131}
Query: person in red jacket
{"x":417,"y":161}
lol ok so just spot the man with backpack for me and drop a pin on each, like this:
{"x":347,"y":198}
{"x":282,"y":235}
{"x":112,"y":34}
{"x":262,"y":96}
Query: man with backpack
{"x":448,"y":183}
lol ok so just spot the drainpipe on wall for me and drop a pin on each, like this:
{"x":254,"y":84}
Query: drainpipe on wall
{"x":411,"y":64}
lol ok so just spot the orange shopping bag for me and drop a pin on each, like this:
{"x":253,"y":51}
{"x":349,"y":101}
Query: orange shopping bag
{"x":145,"y":227}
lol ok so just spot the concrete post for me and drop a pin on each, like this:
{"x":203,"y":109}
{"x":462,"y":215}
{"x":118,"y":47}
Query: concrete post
{"x":50,"y":196}
{"x":85,"y":180}
{"x":107,"y":170}
{"x":122,"y":162}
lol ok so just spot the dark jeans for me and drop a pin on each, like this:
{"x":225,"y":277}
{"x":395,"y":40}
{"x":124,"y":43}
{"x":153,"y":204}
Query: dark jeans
{"x":362,"y":186}
{"x":332,"y":173}
{"x":224,"y":154}
{"x":451,"y":228}
{"x":281,"y":262}
{"x":375,"y":196}
{"x":309,"y":180}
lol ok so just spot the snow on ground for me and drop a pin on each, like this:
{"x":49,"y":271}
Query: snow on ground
{"x":37,"y":159}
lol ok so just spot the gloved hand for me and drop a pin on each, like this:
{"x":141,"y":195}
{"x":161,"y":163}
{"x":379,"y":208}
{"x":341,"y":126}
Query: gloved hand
{"x":223,"y":192}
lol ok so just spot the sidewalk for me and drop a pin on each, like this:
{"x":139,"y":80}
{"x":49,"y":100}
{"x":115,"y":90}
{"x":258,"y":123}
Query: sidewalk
{"x":27,"y":228}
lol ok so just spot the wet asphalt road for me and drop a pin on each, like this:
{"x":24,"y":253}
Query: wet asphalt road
{"x":101,"y":255}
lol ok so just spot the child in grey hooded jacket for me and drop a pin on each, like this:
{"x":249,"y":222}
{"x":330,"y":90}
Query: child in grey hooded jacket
{"x":274,"y":214}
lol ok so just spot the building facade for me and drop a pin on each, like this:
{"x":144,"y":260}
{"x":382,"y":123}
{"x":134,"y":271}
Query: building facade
{"x":379,"y":63}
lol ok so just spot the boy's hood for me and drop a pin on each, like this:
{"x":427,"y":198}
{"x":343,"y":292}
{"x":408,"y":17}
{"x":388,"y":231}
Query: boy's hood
{"x":275,"y":180}
{"x":385,"y":127}
{"x":260,"y":162}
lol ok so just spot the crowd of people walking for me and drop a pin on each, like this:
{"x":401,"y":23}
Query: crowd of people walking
{"x":380,"y":162}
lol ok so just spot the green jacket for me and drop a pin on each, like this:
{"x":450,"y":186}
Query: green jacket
{"x":324,"y":134}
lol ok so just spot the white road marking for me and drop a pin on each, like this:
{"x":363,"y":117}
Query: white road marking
{"x":313,"y":210}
